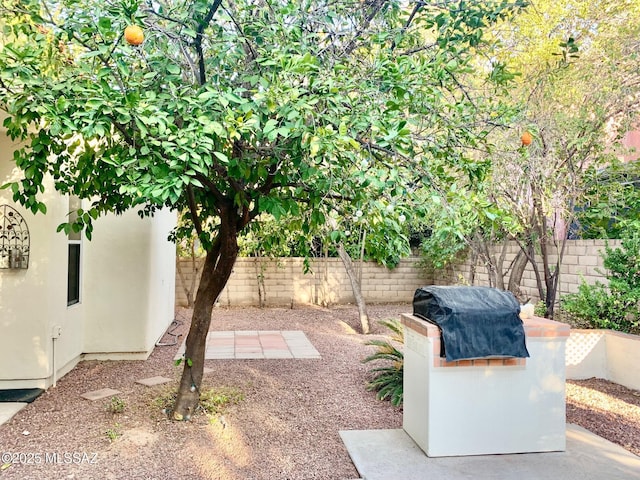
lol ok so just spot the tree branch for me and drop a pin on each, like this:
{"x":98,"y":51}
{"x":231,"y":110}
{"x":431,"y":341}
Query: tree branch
{"x":193,"y":208}
{"x":127,"y":137}
{"x":199,"y":37}
{"x":252,"y":53}
{"x":165,"y":17}
{"x":408,"y":22}
{"x":375,"y":8}
{"x":419,"y":49}
{"x":461,"y":87}
{"x":211,"y":186}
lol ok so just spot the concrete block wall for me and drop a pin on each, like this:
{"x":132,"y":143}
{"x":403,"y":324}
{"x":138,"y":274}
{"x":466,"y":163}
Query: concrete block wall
{"x":282,"y":281}
{"x":582,"y":260}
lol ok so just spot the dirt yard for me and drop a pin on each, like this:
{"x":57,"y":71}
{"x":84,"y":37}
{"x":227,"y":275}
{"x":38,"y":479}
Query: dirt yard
{"x":286,"y":426}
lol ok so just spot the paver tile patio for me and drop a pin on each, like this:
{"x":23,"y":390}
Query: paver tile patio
{"x":252,"y":344}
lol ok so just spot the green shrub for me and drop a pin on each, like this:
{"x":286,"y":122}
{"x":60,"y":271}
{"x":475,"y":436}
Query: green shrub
{"x":387,"y":380}
{"x":114,"y":433}
{"x":540,"y":309}
{"x":116,"y":405}
{"x":616,"y":305}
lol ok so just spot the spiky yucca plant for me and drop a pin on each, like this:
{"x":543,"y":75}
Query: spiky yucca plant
{"x":387,"y":380}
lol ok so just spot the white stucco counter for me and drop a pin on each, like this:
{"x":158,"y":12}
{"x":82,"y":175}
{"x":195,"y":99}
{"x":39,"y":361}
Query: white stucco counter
{"x":488,"y":405}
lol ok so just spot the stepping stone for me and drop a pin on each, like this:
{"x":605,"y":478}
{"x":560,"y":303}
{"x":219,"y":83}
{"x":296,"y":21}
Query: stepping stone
{"x":100,"y":394}
{"x":151,"y":381}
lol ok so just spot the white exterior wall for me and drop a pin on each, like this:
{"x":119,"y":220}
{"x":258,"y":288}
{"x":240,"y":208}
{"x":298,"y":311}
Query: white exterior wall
{"x":116,"y":314}
{"x":606,"y":354}
{"x":587,"y":354}
{"x":623,"y":358}
{"x":162,"y":277}
{"x":33,"y":300}
{"x":126,"y":296}
{"x":129,"y":275}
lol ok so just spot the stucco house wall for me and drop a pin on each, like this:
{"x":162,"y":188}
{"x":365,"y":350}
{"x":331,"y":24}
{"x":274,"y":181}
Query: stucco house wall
{"x":126,"y":292}
{"x":128,"y":285}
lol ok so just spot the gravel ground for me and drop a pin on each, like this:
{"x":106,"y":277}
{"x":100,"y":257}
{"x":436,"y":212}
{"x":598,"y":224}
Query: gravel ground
{"x":607,"y":409}
{"x":286,"y":427}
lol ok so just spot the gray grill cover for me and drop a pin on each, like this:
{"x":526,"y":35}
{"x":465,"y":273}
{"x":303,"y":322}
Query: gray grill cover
{"x":474,"y":322}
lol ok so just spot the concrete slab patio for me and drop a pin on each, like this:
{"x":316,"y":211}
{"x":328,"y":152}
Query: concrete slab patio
{"x":9,"y":409}
{"x":391,"y":454}
{"x":252,"y":344}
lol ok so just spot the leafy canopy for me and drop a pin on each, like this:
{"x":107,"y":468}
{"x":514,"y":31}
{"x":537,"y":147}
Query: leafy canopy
{"x":252,"y":107}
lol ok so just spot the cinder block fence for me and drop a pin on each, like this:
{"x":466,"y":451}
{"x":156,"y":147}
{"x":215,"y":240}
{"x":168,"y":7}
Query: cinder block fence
{"x":582,"y":260}
{"x":282,"y":281}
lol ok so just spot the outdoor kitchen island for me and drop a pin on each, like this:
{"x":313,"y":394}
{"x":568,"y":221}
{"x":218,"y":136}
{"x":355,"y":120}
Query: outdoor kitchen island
{"x":491,"y":405}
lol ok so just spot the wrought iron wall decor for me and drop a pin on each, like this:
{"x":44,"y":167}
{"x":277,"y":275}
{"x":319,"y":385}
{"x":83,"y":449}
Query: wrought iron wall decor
{"x":14,"y":239}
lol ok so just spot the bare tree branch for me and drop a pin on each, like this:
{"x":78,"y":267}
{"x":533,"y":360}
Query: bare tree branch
{"x":376,"y":6}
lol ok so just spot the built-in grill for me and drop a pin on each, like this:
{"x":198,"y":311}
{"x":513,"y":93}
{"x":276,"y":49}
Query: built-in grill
{"x":474,"y":322}
{"x":477,"y":379}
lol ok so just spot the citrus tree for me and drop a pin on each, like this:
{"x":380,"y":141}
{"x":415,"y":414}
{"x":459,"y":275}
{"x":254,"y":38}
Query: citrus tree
{"x":579,"y":89}
{"x":230,"y":109}
{"x":575,"y":95}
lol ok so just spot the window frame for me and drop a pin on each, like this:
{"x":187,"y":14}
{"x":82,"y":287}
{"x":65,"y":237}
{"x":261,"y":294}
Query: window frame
{"x":74,"y":239}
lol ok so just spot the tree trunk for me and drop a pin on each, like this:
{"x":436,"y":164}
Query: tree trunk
{"x":515,"y":279}
{"x":500,"y":273}
{"x":262,"y":291}
{"x":473,"y":267}
{"x":549,"y":274}
{"x":216,"y":271}
{"x":188,"y":290}
{"x":355,"y":286}
{"x":556,"y":278}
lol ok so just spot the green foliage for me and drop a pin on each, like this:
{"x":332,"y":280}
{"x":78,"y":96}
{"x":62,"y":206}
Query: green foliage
{"x":457,"y":216}
{"x":268,"y":237}
{"x":116,"y":405}
{"x":113,"y":433}
{"x":540,"y":309}
{"x":382,"y":227}
{"x":388,"y":380}
{"x":616,"y":305}
{"x":189,"y":362}
{"x":256,"y":107}
{"x":213,"y":401}
{"x":612,"y":201}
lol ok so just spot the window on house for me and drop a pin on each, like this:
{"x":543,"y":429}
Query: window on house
{"x":75,"y":257}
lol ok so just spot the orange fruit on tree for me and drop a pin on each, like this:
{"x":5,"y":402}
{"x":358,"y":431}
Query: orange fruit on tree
{"x":134,"y":35}
{"x":526,"y":139}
